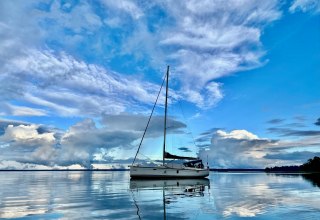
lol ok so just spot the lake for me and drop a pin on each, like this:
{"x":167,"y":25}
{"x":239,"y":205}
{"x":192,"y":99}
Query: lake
{"x":111,"y":195}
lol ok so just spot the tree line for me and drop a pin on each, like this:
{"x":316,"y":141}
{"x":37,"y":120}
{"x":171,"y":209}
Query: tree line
{"x":312,"y":165}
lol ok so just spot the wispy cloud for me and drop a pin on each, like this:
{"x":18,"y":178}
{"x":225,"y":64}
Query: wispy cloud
{"x":132,"y":122}
{"x":203,"y":42}
{"x":294,"y":156}
{"x":14,"y":110}
{"x":184,"y":149}
{"x":276,"y":121}
{"x":66,"y":86}
{"x":212,"y":39}
{"x":126,"y":6}
{"x":293,"y":132}
{"x":305,"y":5}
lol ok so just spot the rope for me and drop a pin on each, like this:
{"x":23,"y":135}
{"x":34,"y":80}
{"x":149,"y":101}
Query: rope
{"x":144,"y":133}
{"x":186,"y":121}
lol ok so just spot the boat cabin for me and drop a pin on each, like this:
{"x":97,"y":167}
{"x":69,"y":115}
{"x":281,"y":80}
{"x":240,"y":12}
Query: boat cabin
{"x":194,"y":163}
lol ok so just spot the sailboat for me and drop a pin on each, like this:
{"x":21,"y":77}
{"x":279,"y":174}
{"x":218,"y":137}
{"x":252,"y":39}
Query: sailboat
{"x":191,"y":168}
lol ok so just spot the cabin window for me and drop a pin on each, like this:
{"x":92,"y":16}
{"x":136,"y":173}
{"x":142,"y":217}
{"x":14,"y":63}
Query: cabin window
{"x":154,"y":169}
{"x":177,"y":171}
{"x":165,"y":171}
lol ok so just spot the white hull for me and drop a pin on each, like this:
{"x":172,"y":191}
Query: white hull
{"x":167,"y":172}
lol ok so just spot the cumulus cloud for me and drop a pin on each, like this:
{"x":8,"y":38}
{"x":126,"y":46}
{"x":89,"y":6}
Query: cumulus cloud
{"x":4,"y":124}
{"x":23,"y":143}
{"x":83,"y":143}
{"x":241,"y":148}
{"x":238,"y":148}
{"x":27,"y":134}
{"x":26,"y":144}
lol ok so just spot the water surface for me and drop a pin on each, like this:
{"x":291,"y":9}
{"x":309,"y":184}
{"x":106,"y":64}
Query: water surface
{"x":111,"y":195}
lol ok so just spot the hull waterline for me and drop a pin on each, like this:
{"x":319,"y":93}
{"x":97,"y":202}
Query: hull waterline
{"x":163,"y":172}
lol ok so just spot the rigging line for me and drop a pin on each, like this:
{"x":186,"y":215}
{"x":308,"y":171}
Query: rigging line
{"x":146,"y":157}
{"x":144,"y":133}
{"x":194,"y":142}
{"x":136,"y":204}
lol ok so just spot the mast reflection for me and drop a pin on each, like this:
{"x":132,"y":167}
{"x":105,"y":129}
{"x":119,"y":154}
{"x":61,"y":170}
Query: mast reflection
{"x":143,"y":190}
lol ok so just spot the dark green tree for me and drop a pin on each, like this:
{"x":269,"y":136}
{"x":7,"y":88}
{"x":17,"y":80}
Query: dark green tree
{"x":313,"y":165}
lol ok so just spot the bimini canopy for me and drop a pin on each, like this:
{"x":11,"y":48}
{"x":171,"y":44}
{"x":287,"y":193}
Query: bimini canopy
{"x":171,"y":156}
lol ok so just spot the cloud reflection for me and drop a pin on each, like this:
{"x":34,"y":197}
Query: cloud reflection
{"x":111,"y":195}
{"x":250,"y":195}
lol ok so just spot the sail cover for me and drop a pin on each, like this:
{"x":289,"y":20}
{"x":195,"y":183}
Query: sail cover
{"x":171,"y":156}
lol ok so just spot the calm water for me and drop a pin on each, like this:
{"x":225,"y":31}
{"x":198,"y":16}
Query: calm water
{"x":111,"y":195}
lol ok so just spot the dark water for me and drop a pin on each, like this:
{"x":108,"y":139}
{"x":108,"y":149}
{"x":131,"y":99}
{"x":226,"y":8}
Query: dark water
{"x":111,"y":195}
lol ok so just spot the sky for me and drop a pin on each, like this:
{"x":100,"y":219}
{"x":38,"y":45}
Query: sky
{"x":78,"y":80}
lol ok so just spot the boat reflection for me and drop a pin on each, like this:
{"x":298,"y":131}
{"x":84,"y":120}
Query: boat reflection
{"x":146,"y":191}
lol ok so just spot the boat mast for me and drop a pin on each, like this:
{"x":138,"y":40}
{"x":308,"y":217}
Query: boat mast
{"x":165,"y":118}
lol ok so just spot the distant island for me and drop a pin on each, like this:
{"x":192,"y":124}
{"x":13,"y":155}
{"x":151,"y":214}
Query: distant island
{"x":112,"y":169}
{"x":312,"y":165}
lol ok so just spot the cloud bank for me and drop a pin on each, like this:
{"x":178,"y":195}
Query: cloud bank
{"x":243,"y":149}
{"x":82,"y":144}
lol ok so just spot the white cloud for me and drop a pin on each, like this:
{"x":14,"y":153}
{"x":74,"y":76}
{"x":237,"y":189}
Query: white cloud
{"x":213,"y":39}
{"x":56,"y":83}
{"x":238,"y":148}
{"x":206,"y":41}
{"x":237,"y":134}
{"x":8,"y":109}
{"x":127,"y":6}
{"x":27,"y":135}
{"x":203,"y":42}
{"x":83,"y":143}
{"x":66,"y":86}
{"x":80,"y":18}
{"x":305,"y":5}
{"x":261,"y":195}
{"x":241,"y":148}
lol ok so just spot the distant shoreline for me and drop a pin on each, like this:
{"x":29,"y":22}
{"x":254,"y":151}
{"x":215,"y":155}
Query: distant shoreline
{"x":214,"y":170}
{"x":237,"y":170}
{"x":68,"y":170}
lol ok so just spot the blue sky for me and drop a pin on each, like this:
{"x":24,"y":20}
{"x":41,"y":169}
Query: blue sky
{"x":78,"y":80}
